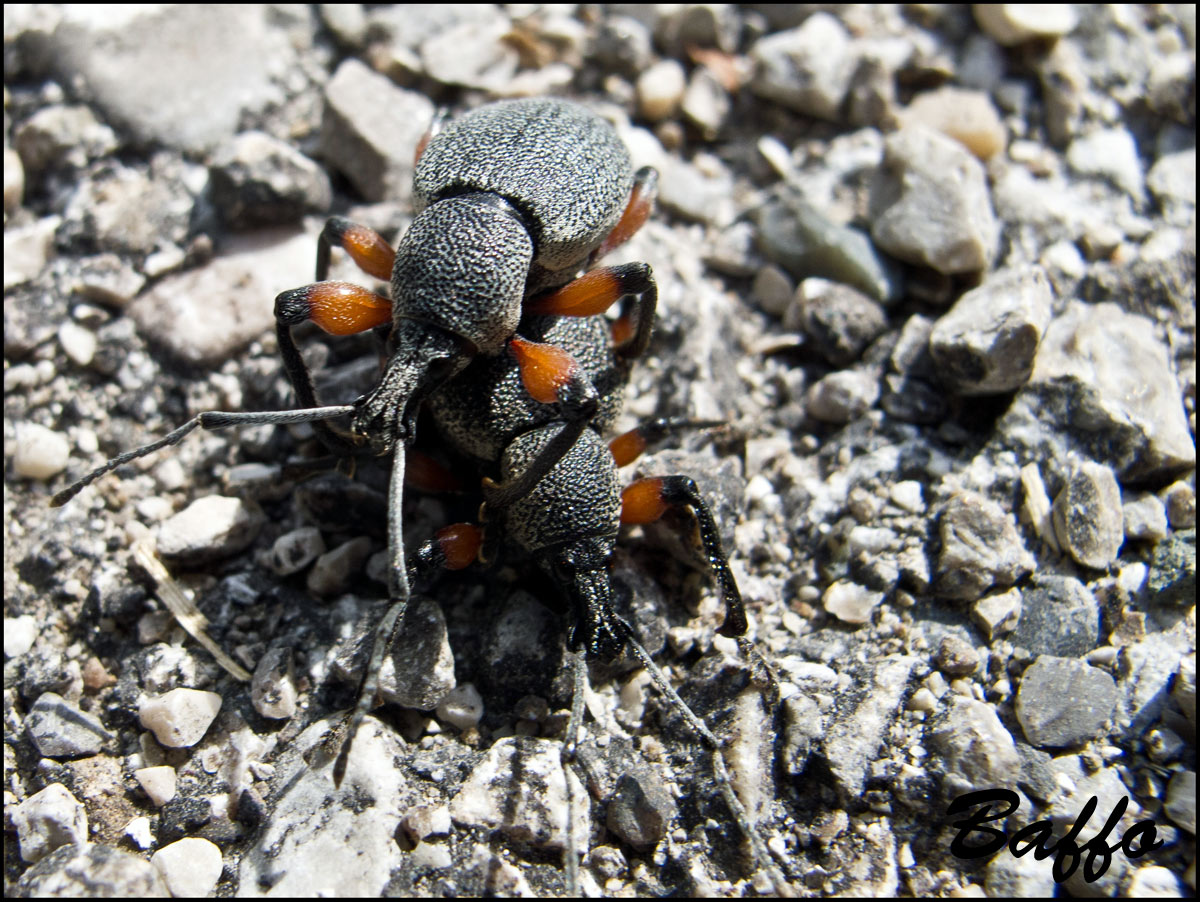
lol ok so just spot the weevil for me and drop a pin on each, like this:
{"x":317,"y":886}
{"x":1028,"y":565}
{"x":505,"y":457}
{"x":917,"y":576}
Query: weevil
{"x":494,"y":323}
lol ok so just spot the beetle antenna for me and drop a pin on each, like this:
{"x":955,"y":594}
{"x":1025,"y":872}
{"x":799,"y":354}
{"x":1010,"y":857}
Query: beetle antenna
{"x":741,"y":816}
{"x":567,"y":755}
{"x":385,"y":634}
{"x":212,"y":419}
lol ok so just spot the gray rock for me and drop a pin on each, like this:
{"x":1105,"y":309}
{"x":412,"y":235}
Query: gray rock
{"x":976,"y":751}
{"x":1180,"y":499}
{"x":660,"y":90}
{"x":353,"y":828}
{"x":1088,"y":520}
{"x":698,"y":25}
{"x":697,"y":194}
{"x":1059,"y":616}
{"x":1181,"y":800}
{"x":981,"y":548}
{"x":1015,"y":23}
{"x":799,"y":237}
{"x":807,"y":69}
{"x":472,"y":52}
{"x":640,"y":810}
{"x":208,"y":529}
{"x":1172,"y":578}
{"x":179,"y":718}
{"x":1079,"y":782}
{"x":47,"y":820}
{"x":986,"y":343}
{"x":621,"y":44}
{"x":706,"y":104}
{"x":423,"y":661}
{"x":842,"y":396}
{"x":1154,"y":882}
{"x":999,"y":612}
{"x":273,"y":689}
{"x":955,"y":657}
{"x":204,"y":316}
{"x":191,"y":867}
{"x":1110,"y":387}
{"x":1008,"y":877}
{"x":538,"y":814}
{"x":89,"y":871}
{"x":1184,"y":691}
{"x":1110,"y":154}
{"x":858,"y":725}
{"x":68,"y":136}
{"x":840,"y":320}
{"x":1064,"y":701}
{"x":374,"y":152}
{"x":929,"y":203}
{"x":1144,"y":517}
{"x":258,"y":180}
{"x":1172,"y":180}
{"x":333,"y":570}
{"x":60,"y":729}
{"x":1145,"y":670}
{"x":199,"y":95}
{"x":295,"y":550}
{"x":130,"y":210}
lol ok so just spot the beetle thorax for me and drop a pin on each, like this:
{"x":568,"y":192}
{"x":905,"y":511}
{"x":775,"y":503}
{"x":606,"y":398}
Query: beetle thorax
{"x":462,"y":267}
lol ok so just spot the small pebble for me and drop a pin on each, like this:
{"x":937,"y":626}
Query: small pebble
{"x":190,"y":867}
{"x":48,"y":819}
{"x":181,"y":717}
{"x":461,"y":707}
{"x":158,"y":783}
{"x":39,"y":452}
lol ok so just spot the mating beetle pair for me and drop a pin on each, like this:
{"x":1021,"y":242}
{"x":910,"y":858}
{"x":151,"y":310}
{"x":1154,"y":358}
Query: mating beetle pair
{"x":494,"y":331}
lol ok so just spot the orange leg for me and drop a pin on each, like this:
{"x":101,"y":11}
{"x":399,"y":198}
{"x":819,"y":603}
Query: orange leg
{"x":369,"y":250}
{"x":452,"y":548}
{"x":435,"y":126}
{"x":647,"y":500}
{"x":637,"y":211}
{"x":425,"y":474}
{"x":596,"y":291}
{"x":628,"y":446}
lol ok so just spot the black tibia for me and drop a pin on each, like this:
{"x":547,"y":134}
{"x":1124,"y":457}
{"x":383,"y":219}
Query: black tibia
{"x":639,"y":283}
{"x":338,"y":442}
{"x":682,"y":490}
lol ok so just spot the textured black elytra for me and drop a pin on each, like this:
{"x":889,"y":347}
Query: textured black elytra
{"x":559,"y":164}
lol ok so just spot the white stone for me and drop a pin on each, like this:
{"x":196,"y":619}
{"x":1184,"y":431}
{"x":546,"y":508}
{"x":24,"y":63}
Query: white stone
{"x":39,"y":452}
{"x":158,"y":783}
{"x":191,"y":867}
{"x":179,"y":718}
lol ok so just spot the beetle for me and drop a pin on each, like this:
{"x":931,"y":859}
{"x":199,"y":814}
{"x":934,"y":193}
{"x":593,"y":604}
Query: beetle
{"x":494,"y":323}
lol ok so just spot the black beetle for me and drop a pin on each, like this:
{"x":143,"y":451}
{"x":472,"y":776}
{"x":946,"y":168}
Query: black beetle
{"x":495,"y":330}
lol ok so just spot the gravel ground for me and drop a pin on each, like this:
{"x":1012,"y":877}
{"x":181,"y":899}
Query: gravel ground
{"x":934,"y":270}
